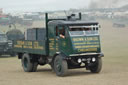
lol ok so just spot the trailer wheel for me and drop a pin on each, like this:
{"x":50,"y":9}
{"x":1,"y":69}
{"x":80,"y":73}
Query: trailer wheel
{"x":96,"y":68}
{"x":27,"y":64}
{"x":60,"y":66}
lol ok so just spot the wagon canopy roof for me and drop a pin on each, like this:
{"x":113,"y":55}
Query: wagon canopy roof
{"x":60,"y":22}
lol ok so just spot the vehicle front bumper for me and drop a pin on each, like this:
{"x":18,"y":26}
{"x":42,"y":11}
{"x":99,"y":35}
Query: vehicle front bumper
{"x":88,"y":54}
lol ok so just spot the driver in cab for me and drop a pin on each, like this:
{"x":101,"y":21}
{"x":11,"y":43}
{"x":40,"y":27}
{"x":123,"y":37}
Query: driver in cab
{"x":62,"y":33}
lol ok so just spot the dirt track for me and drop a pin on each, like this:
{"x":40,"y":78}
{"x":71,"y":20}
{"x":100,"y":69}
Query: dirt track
{"x":114,"y":72}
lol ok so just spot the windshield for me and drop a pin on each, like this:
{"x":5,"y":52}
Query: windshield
{"x":83,"y":30}
{"x":3,"y":38}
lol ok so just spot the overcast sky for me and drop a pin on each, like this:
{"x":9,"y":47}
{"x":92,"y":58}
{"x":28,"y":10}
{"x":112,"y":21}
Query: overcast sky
{"x":41,"y":5}
{"x":51,"y":5}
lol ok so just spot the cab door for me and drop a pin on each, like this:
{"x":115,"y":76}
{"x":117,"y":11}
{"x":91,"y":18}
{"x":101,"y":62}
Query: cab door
{"x":62,"y":39}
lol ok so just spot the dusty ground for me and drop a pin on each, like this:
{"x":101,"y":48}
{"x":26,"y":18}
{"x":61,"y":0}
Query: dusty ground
{"x":115,"y":65}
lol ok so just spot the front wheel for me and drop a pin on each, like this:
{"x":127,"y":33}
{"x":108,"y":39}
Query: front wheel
{"x":60,"y":66}
{"x":27,"y":64}
{"x":97,"y":66}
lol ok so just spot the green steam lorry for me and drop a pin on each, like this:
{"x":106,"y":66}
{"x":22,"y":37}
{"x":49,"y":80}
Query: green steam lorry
{"x":64,"y":44}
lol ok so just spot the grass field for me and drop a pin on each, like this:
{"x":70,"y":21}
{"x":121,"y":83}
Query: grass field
{"x":114,"y":43}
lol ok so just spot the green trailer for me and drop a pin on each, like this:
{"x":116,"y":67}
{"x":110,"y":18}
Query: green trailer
{"x":65,"y":44}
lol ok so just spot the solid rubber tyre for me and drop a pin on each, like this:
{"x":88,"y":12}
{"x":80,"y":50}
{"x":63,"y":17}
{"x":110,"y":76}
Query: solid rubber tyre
{"x":60,"y":66}
{"x":96,"y":68}
{"x":27,"y":65}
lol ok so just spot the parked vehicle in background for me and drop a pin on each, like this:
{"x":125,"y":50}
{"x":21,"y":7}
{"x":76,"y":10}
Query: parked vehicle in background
{"x":119,"y":25}
{"x":6,"y":45}
{"x":4,"y":20}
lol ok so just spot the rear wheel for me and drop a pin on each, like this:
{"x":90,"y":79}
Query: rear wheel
{"x":60,"y":66}
{"x":27,"y":64}
{"x":97,"y":66}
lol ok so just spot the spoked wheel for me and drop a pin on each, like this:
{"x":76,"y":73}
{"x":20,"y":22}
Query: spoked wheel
{"x":28,"y":66}
{"x":60,"y":66}
{"x":97,"y":66}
